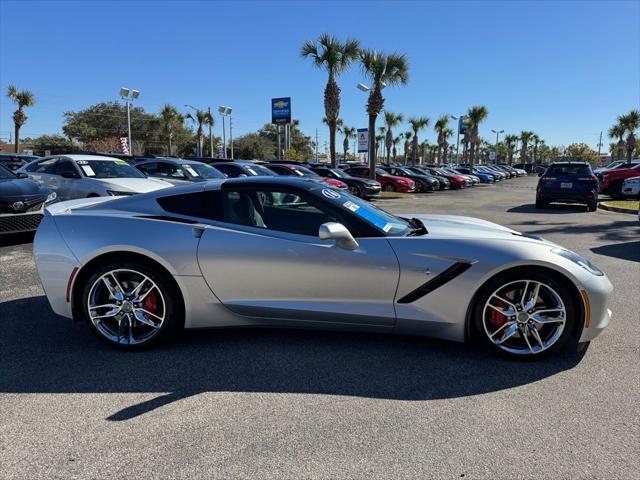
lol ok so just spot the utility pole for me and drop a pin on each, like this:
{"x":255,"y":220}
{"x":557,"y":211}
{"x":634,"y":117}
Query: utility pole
{"x":210,"y":136}
{"x":316,"y":145}
{"x":278,"y":135}
{"x":231,"y":134}
{"x":599,"y":146}
{"x":224,"y":140}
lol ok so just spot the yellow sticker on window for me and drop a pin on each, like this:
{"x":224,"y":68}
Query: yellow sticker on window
{"x":120,"y":162}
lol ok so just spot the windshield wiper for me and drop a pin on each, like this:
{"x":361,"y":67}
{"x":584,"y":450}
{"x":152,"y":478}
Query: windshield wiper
{"x":418,"y":227}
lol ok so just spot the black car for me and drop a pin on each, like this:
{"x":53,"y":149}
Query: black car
{"x":424,"y":182}
{"x":443,"y":182}
{"x":178,"y":171}
{"x":14,"y":161}
{"x":22,"y":202}
{"x":243,"y":169}
{"x":360,"y":187}
{"x":570,"y":182}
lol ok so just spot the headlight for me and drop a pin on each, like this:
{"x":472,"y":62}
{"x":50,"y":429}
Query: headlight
{"x":115,"y":193}
{"x":51,"y":197}
{"x":575,"y":258}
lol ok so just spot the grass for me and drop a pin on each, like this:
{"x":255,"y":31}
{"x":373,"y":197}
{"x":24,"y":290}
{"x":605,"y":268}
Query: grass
{"x":630,"y":204}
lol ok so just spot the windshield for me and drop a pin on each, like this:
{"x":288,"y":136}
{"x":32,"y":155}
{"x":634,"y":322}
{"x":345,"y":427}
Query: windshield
{"x":568,"y":170}
{"x":6,"y":174}
{"x":381,"y":172}
{"x":304,"y":172}
{"x":340,"y":173}
{"x":202,"y":170}
{"x":108,"y":169}
{"x":405,"y":171}
{"x":259,"y":171}
{"x":614,"y":164}
{"x":388,"y":224}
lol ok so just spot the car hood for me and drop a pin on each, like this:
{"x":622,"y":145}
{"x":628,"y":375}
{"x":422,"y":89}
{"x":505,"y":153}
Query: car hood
{"x":21,"y":187}
{"x":137,"y":185}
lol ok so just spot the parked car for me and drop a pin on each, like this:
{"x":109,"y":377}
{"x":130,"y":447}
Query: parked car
{"x":518,"y":172}
{"x":444,"y":183}
{"x":348,"y":265}
{"x":22,"y":202}
{"x":497,"y":176}
{"x":457,"y":180}
{"x":472,"y":178}
{"x":424,"y":183}
{"x":631,"y":188}
{"x":614,"y":164}
{"x":484,"y":177}
{"x":178,"y":171}
{"x":360,"y":187}
{"x":243,"y":168}
{"x":569,"y":182}
{"x":288,"y":169}
{"x":611,"y":181}
{"x":79,"y":176}
{"x":388,"y":182}
{"x":14,"y":161}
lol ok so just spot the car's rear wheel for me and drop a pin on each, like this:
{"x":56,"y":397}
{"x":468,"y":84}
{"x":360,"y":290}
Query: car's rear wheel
{"x":615,"y":190}
{"x":525,"y":314}
{"x":540,"y":204}
{"x":355,"y":190}
{"x":389,"y":188}
{"x":592,"y":206}
{"x":132,"y":305}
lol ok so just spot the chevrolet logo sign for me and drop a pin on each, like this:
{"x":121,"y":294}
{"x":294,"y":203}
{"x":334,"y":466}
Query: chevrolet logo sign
{"x":281,"y":104}
{"x":17,"y":206}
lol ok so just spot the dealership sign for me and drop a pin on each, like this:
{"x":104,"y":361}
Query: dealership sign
{"x":363,"y":140}
{"x":281,"y":110}
{"x":462,"y":125}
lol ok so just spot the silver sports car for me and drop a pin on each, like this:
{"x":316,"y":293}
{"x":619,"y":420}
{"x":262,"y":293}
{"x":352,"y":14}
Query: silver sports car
{"x":284,"y":252}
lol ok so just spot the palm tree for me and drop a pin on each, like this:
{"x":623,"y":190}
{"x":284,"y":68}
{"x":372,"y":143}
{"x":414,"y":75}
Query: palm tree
{"x":200,"y":119}
{"x":382,"y":131}
{"x":407,"y":141}
{"x":382,"y":70}
{"x":169,"y":119}
{"x":440,"y":126}
{"x":349,"y":133}
{"x":334,"y":57}
{"x":510,"y":141}
{"x":630,"y":122}
{"x":379,"y":142}
{"x":395,"y":143}
{"x":536,"y":140}
{"x":22,"y":98}
{"x":391,"y":120}
{"x":446,"y":134}
{"x":417,"y":124}
{"x":474,"y":118}
{"x":618,"y":131}
{"x":525,"y":138}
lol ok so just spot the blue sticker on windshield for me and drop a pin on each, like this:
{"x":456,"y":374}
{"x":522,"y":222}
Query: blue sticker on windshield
{"x":371,"y":217}
{"x":332,"y":194}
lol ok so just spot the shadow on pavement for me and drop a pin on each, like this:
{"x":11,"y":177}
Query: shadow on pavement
{"x":12,"y":239}
{"x":626,"y":251}
{"x":548,"y":209}
{"x":42,"y":352}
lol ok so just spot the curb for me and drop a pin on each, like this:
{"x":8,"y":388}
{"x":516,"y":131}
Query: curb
{"x":603,"y":206}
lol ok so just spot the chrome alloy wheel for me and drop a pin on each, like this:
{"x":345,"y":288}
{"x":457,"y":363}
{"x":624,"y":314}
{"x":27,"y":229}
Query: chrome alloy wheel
{"x":524,"y":317}
{"x":126,"y":306}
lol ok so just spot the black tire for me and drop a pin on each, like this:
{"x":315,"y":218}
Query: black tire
{"x":540,"y":204}
{"x":615,"y":190}
{"x":592,"y":206}
{"x":170,"y":295}
{"x":389,"y":188}
{"x":356,"y":190}
{"x":554,"y":281}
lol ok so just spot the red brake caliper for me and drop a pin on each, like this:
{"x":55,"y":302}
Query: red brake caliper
{"x":150,"y":302}
{"x":497,"y":319}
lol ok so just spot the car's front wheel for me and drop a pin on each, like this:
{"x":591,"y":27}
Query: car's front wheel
{"x":525,"y":314}
{"x":131,"y":305}
{"x":355,"y":190}
{"x":592,"y":206}
{"x":389,"y":188}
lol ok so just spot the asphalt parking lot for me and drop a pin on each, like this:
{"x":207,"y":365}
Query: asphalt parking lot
{"x":291,"y":404}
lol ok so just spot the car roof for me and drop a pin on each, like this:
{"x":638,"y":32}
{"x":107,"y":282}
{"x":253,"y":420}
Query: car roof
{"x":175,"y":161}
{"x":570,"y":162}
{"x":77,"y":156}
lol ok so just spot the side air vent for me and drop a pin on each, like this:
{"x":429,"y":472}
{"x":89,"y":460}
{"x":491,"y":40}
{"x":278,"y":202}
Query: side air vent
{"x":446,"y":276}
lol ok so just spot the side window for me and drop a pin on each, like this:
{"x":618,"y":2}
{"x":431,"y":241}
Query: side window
{"x":64,"y":165}
{"x":204,"y":205}
{"x":279,"y":210}
{"x":45,"y":166}
{"x":229,"y":170}
{"x":169,"y":170}
{"x":281,"y":170}
{"x":148,"y":168}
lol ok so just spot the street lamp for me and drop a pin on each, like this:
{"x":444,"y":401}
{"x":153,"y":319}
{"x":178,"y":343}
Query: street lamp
{"x":226,"y":112}
{"x":461,"y":118}
{"x":129,"y":96}
{"x":497,"y":132}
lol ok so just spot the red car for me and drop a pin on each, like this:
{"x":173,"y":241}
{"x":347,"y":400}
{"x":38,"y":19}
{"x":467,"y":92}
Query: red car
{"x":457,"y":181}
{"x":611,"y":180}
{"x":389,"y":183}
{"x":300,"y":171}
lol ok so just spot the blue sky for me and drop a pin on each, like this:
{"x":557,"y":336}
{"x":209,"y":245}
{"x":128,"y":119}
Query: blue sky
{"x":562,"y":69}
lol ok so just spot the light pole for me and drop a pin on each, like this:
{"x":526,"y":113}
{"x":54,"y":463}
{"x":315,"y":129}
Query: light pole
{"x":497,"y":132}
{"x":371,"y":147}
{"x":226,"y":112}
{"x":461,"y":117}
{"x":129,"y":96}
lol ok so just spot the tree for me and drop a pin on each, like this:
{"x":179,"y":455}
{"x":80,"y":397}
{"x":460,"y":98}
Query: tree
{"x":536,"y":140}
{"x":334,"y":57}
{"x":170,"y":118}
{"x":23,"y":99}
{"x":391,"y":120}
{"x":525,"y":137}
{"x":299,"y":141}
{"x":510,"y":142}
{"x":396,"y":141}
{"x":349,"y":133}
{"x":383,"y":71}
{"x":200,"y":119}
{"x":475,"y":116}
{"x":417,"y":124}
{"x":446,"y":134}
{"x":581,"y":151}
{"x":618,"y":131}
{"x":407,"y":141}
{"x":54,"y":143}
{"x":253,"y":146}
{"x":440,"y":126}
{"x":630,"y":122}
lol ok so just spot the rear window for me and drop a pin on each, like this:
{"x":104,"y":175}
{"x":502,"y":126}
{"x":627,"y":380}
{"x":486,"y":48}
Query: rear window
{"x":569,"y":170}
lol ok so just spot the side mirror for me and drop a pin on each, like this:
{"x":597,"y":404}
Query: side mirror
{"x":70,"y":174}
{"x":339,"y":233}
